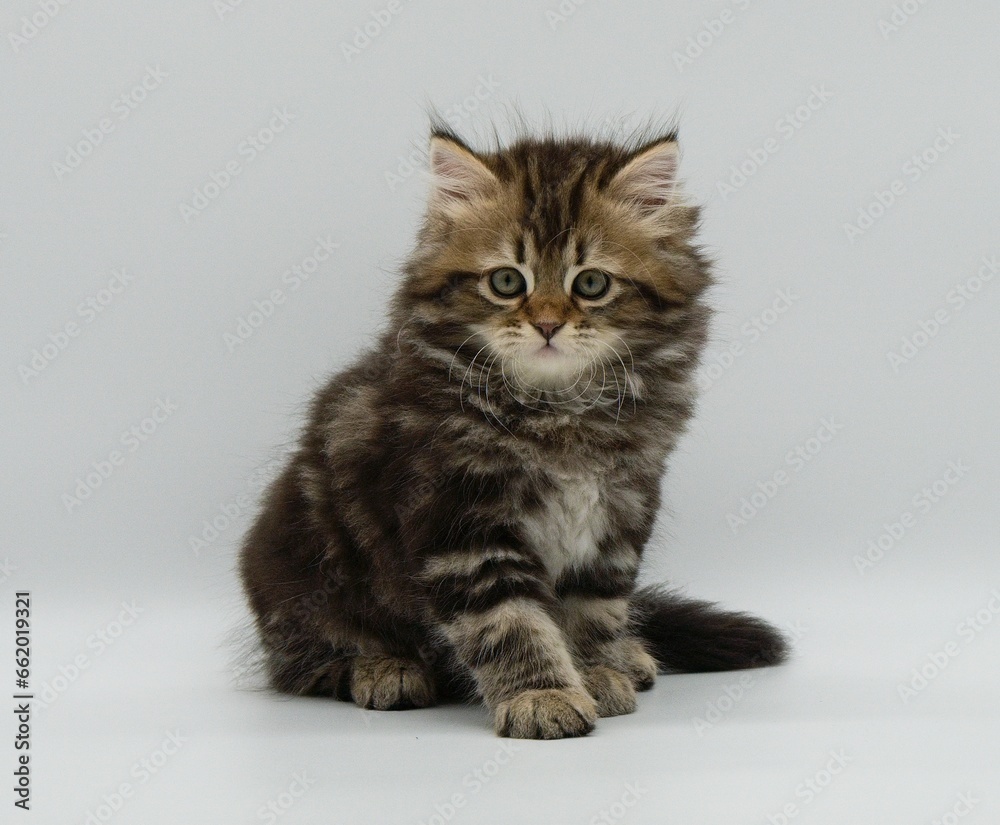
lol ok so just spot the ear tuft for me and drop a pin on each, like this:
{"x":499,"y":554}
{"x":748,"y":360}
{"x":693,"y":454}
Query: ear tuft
{"x":649,"y":179}
{"x":457,"y":175}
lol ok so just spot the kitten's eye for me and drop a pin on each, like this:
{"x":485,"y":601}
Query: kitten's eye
{"x":591,"y":284}
{"x":507,"y":282}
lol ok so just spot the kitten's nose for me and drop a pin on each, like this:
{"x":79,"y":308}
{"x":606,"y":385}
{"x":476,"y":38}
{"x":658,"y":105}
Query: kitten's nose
{"x":548,"y":328}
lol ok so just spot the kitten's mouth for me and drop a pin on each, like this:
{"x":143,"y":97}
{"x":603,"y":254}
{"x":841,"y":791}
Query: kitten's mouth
{"x":547,"y":366}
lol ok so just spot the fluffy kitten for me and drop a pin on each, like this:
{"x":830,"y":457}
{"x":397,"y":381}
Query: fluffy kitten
{"x":469,"y":502}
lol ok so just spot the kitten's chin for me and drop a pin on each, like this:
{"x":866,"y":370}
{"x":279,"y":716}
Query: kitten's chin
{"x":549,"y":368}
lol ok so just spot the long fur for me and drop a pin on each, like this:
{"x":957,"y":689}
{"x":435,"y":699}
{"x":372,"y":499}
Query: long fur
{"x":469,"y":502}
{"x":691,"y":636}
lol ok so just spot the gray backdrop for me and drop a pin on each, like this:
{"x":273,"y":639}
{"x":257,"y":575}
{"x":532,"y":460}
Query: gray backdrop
{"x":202,"y":210}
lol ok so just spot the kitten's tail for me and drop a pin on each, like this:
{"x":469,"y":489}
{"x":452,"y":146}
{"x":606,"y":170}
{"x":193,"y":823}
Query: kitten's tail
{"x":689,"y":636}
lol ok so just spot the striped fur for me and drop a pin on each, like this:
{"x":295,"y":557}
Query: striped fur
{"x":469,"y":502}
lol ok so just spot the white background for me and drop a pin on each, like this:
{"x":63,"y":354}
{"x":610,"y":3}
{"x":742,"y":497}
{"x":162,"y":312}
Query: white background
{"x":853,"y":300}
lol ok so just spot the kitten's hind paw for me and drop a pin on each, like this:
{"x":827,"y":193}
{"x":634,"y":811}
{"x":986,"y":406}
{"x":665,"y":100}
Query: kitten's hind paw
{"x":551,"y":713}
{"x":390,"y":683}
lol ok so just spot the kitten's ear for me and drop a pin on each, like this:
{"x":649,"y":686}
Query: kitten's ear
{"x":457,"y":175}
{"x":649,"y":179}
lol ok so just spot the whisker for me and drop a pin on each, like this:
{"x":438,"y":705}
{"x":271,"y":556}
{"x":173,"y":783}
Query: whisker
{"x":488,"y":405}
{"x":457,"y":352}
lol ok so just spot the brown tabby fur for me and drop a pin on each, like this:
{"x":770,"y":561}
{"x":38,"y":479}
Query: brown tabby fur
{"x":463,"y":520}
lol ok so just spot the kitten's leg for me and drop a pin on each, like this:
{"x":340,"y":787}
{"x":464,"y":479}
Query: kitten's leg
{"x":303,"y":665}
{"x":375,"y":681}
{"x":300,"y":661}
{"x":594,"y":612}
{"x":494,"y":608}
{"x":310,"y":616}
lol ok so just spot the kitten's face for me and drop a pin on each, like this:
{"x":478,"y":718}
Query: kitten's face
{"x":552,"y":311}
{"x":557,"y":263}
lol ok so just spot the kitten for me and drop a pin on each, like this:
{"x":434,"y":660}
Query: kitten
{"x":467,"y":508}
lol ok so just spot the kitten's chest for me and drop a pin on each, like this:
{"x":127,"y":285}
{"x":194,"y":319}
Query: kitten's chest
{"x":567,"y":526}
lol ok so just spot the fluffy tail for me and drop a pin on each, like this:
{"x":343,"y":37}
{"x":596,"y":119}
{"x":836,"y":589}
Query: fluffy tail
{"x":689,"y":636}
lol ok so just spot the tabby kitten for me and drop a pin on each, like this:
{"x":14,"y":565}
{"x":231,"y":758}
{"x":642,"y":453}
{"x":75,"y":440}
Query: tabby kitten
{"x":466,"y":510}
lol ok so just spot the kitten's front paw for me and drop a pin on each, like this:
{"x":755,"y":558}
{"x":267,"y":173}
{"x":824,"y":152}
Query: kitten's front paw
{"x":388,"y":683}
{"x":640,"y":666}
{"x":613,"y":691}
{"x":552,"y":713}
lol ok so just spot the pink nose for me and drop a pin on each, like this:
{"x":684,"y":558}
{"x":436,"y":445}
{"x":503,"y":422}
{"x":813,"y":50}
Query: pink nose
{"x":548,"y":329}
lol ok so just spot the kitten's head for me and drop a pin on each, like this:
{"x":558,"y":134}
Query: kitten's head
{"x":562,"y":266}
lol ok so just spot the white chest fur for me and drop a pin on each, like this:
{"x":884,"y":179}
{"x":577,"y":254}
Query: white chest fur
{"x":568,"y":526}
